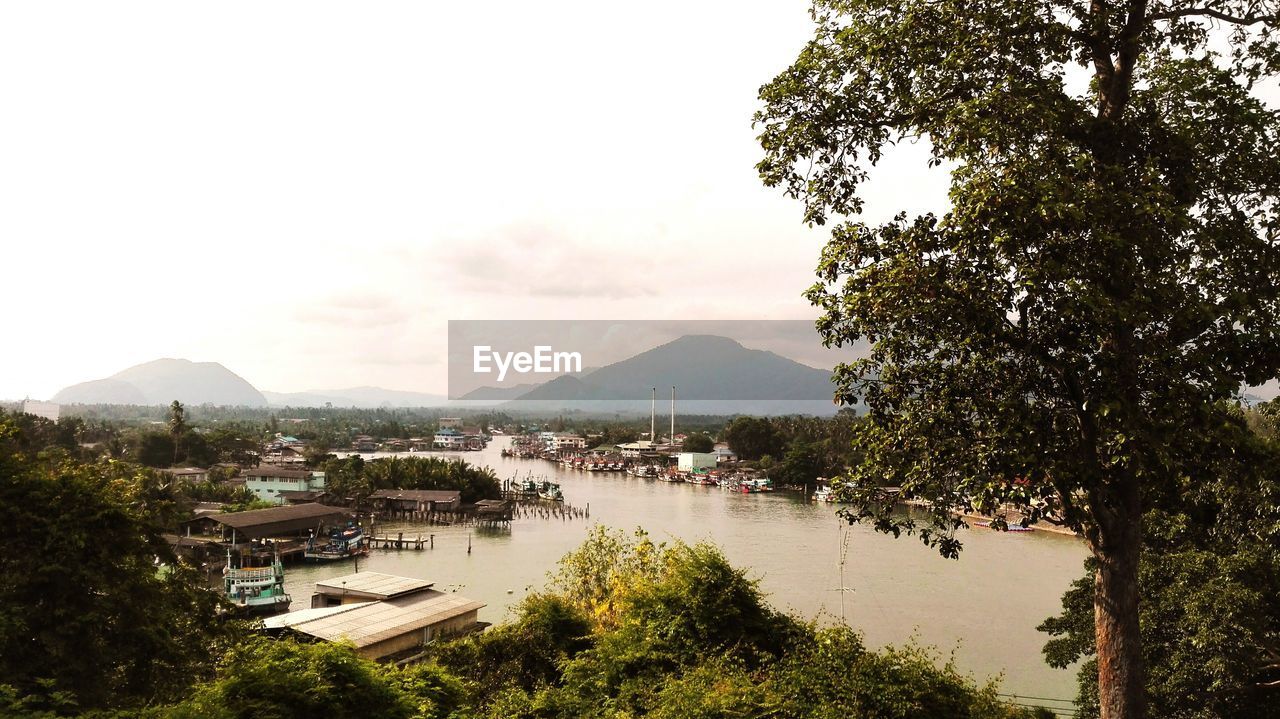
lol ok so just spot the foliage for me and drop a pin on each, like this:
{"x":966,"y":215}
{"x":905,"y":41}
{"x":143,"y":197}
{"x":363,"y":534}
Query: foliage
{"x":752,"y":437}
{"x":1210,"y":579}
{"x":698,"y":442}
{"x":266,"y":679}
{"x":522,"y":655}
{"x":85,"y":617}
{"x":1104,"y":277}
{"x":354,"y":477}
{"x":679,"y":632}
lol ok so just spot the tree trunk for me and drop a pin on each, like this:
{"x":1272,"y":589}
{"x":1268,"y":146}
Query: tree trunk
{"x":1121,"y":694}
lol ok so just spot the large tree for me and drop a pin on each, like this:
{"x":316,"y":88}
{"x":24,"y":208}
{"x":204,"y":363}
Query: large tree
{"x":1106,"y":272}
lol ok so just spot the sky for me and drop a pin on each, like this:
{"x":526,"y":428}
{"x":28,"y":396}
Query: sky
{"x":307,"y":192}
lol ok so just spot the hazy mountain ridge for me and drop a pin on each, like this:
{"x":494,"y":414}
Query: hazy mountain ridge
{"x":712,"y":374}
{"x":358,"y":397}
{"x":162,"y":381}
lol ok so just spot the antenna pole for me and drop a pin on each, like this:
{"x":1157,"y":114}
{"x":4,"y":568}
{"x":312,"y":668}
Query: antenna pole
{"x":673,"y":414}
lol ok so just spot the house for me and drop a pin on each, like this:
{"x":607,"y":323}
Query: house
{"x":189,"y":474}
{"x":416,"y":500}
{"x":635,"y":450}
{"x":723,"y":453}
{"x":494,"y":510}
{"x":365,"y":443}
{"x":449,"y":423}
{"x":567,"y":442}
{"x":267,"y":483}
{"x":290,"y":520}
{"x":384,"y":616}
{"x":695,"y":461}
{"x":48,"y":410}
{"x":449,"y":439}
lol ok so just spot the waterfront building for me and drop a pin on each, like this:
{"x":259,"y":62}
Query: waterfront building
{"x":450,"y":439}
{"x":289,"y":520}
{"x":383,"y":615}
{"x":416,"y":500}
{"x":695,"y":461}
{"x":267,"y":483}
{"x":635,"y":450}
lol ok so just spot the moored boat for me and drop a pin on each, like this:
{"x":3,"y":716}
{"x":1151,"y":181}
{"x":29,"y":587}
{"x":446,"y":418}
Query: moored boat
{"x":341,"y":543}
{"x":255,"y":586}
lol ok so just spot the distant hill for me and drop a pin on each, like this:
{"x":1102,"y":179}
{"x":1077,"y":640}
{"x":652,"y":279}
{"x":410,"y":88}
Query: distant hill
{"x":359,"y":397}
{"x":164,"y":380}
{"x":712,"y":375}
{"x":490,"y":394}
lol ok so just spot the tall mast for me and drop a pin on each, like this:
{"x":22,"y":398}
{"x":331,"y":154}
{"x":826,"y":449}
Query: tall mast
{"x":673,"y":414}
{"x":653,"y":417}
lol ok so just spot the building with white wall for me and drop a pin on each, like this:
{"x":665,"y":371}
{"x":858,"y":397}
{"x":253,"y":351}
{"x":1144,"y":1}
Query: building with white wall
{"x":48,"y":410}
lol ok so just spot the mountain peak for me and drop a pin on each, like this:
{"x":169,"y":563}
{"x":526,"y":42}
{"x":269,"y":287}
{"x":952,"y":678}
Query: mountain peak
{"x":164,"y":380}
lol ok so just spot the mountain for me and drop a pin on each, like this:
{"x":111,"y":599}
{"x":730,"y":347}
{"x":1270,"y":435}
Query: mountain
{"x":360,"y":397}
{"x":164,"y":380}
{"x":712,"y":375}
{"x":489,"y":394}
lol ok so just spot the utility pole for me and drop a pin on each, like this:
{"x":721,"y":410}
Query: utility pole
{"x":653,"y":416}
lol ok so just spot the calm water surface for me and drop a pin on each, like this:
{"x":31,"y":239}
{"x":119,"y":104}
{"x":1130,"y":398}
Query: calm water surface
{"x":983,"y":607}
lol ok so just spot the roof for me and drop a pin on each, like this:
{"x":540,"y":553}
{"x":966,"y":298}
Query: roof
{"x":420,"y":495}
{"x":181,"y":471}
{"x":291,"y":494}
{"x":281,"y":621}
{"x":382,"y":586}
{"x":289,"y":518}
{"x":277,"y":472}
{"x":368,"y":624}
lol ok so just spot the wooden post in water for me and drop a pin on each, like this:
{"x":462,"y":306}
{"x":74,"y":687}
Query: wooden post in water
{"x":433,"y":541}
{"x":468,"y":542}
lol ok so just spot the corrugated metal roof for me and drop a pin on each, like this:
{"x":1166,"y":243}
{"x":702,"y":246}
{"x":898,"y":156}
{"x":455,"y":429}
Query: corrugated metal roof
{"x":281,"y":621}
{"x":288,"y":518}
{"x":378,"y":621}
{"x":419,"y":495}
{"x":384,"y":586}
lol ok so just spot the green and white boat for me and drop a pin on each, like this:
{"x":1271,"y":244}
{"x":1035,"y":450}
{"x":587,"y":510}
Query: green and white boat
{"x":255,"y":585}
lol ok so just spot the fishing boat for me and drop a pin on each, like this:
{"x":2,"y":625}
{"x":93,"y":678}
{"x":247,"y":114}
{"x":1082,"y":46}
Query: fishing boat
{"x":824,"y":494}
{"x":550,"y":491}
{"x":754,"y":486}
{"x":255,"y":585}
{"x":341,"y":543}
{"x":529,"y":487}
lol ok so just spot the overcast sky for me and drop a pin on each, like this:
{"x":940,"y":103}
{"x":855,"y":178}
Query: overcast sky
{"x":307,"y":192}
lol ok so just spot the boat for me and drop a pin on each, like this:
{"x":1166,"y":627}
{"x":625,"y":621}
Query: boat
{"x":550,"y":491}
{"x":255,"y":585}
{"x":341,"y":543}
{"x":753,"y":486}
{"x":824,"y":494}
{"x":1010,"y":528}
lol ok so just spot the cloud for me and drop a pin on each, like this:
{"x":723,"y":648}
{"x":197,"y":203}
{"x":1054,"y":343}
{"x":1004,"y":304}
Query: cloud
{"x":353,"y":310}
{"x":535,"y":259}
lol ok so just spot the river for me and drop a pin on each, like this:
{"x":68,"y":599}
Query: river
{"x":983,"y":608}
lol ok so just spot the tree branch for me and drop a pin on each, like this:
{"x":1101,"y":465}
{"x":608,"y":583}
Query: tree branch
{"x":1211,"y":13}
